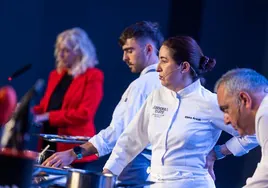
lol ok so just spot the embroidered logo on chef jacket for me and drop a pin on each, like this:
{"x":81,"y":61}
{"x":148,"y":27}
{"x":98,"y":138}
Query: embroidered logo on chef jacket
{"x":159,"y":111}
{"x":194,"y":118}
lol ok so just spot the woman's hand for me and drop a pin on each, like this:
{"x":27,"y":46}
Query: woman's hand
{"x":210,"y":160}
{"x":106,"y":171}
{"x":41,"y":118}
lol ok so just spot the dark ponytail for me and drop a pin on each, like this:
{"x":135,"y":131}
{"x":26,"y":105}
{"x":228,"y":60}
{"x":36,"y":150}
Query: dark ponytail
{"x":206,"y":64}
{"x":185,"y":48}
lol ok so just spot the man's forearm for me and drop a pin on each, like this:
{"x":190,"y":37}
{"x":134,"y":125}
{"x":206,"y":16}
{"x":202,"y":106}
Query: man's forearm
{"x":88,"y":149}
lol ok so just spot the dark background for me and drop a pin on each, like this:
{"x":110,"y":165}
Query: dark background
{"x":232,"y":31}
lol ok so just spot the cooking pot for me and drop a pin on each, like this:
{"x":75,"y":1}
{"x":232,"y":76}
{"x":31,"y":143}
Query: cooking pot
{"x":77,"y":178}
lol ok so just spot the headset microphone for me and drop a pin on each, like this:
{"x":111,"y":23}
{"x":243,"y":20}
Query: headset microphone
{"x":170,"y":72}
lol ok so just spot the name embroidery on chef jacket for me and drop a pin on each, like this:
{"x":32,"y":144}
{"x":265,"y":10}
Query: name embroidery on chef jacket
{"x":194,"y":118}
{"x":159,"y":111}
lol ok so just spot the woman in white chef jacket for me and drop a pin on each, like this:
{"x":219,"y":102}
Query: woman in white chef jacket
{"x":181,"y":120}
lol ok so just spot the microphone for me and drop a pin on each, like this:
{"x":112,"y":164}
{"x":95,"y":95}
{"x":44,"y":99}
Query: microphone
{"x":170,"y":72}
{"x":19,"y":72}
{"x":35,"y":90}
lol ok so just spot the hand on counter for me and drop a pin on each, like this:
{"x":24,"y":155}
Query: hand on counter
{"x":60,"y":159}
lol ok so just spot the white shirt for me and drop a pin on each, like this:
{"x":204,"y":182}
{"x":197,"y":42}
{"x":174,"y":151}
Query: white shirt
{"x":182,"y":128}
{"x":130,"y":103}
{"x":260,"y":177}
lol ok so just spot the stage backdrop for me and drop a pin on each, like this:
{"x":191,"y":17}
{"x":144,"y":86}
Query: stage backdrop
{"x":234,"y":32}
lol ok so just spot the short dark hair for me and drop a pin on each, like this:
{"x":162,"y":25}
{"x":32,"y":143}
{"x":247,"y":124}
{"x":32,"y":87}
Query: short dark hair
{"x":143,"y":29}
{"x":185,"y":48}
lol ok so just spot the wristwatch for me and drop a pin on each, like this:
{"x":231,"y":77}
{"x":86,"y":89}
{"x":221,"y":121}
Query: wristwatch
{"x":219,"y":154}
{"x":78,"y":151}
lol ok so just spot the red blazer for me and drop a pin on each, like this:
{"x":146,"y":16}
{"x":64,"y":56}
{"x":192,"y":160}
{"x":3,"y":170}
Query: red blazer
{"x":80,"y":103}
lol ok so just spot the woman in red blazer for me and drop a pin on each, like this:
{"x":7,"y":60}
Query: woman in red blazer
{"x":74,"y":90}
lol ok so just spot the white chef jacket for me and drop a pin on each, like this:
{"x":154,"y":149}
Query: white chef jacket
{"x":130,"y":103}
{"x":260,"y":177}
{"x":182,"y":127}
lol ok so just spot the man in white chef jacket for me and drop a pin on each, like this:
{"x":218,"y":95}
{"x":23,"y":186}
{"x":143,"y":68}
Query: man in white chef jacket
{"x":243,"y":98}
{"x":140,"y":43}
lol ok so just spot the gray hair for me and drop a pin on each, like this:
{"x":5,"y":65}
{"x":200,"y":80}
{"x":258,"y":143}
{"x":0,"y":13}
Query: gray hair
{"x":80,"y":41}
{"x":242,"y":79}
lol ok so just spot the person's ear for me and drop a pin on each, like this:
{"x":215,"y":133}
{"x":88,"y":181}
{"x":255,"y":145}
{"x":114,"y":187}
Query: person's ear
{"x":148,"y":49}
{"x":245,"y":99}
{"x":185,"y":67}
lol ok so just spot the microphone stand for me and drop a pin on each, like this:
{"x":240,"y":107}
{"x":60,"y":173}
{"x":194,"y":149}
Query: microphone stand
{"x":15,"y":160}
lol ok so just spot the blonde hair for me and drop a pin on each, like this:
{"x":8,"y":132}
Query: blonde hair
{"x":79,"y":40}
